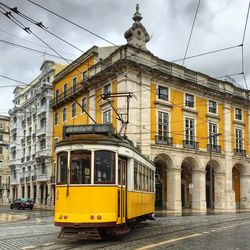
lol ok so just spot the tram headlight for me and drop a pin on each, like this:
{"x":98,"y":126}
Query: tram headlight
{"x":92,"y":217}
{"x":99,"y":217}
{"x":60,"y":217}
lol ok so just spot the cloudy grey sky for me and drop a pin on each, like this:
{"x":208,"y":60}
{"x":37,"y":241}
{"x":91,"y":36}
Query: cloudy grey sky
{"x":219,"y":24}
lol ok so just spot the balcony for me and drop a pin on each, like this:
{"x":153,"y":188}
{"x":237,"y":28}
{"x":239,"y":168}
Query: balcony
{"x":22,"y":180}
{"x":164,"y":140}
{"x":43,"y":153}
{"x":63,"y":97}
{"x":13,"y":181}
{"x":22,"y":159}
{"x":14,"y":161}
{"x":29,"y":138}
{"x":29,"y":120}
{"x":239,"y":152}
{"x":214,"y":148}
{"x":23,"y":123}
{"x":191,"y":144}
{"x":34,"y":136}
{"x":41,"y":131}
{"x":34,"y":177}
{"x":52,"y":179}
{"x":27,"y":158}
{"x":41,"y":109}
{"x":42,"y":177}
{"x":33,"y":156}
{"x":27,"y":179}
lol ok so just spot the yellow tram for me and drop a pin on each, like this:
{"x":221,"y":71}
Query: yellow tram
{"x":104,"y":185}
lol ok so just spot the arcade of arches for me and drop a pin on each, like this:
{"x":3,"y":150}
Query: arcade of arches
{"x":199,"y":185}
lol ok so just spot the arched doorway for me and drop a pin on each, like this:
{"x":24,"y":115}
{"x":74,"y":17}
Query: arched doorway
{"x":188,"y":166}
{"x":214,"y":184}
{"x":162,"y":163}
{"x":238,"y":172}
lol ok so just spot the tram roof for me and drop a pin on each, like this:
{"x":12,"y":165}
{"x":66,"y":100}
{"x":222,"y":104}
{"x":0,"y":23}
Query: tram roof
{"x":100,"y":139}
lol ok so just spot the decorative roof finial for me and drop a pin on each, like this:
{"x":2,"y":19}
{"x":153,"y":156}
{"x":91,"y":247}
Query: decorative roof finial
{"x":137,"y":16}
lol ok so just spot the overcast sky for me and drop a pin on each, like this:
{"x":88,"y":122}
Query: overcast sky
{"x":219,"y":24}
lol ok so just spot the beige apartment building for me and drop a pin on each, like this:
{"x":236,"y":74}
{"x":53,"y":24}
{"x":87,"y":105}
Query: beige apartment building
{"x":4,"y":157}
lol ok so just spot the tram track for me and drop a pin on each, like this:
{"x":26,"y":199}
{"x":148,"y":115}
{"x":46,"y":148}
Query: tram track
{"x":176,"y":231}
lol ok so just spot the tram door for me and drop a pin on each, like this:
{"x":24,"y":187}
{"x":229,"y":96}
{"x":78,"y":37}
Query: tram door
{"x":122,"y":195}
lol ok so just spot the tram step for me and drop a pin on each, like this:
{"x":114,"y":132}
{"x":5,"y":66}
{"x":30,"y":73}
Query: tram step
{"x":118,"y":231}
{"x":80,"y":233}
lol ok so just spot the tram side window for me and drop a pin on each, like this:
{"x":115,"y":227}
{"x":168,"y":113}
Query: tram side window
{"x":80,"y":167}
{"x":104,"y":167}
{"x":62,"y":162}
{"x":136,"y":187}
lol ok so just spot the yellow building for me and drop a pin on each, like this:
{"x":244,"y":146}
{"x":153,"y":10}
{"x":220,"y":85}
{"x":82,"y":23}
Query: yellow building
{"x":194,"y":127}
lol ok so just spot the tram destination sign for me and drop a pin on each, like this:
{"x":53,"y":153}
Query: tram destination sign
{"x":88,"y":129}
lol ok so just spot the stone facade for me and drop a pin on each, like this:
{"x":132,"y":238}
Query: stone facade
{"x":30,"y":139}
{"x":194,"y":127}
{"x":4,"y":157}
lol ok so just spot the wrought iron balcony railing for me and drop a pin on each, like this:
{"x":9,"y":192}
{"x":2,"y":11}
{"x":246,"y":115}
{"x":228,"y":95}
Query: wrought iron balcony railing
{"x":240,"y":152}
{"x":190,"y":144}
{"x":214,"y":148}
{"x":159,"y":139}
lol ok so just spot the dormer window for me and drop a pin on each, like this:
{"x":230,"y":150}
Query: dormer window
{"x":163,"y":93}
{"x":107,"y":89}
{"x":238,"y":114}
{"x":212,"y":107}
{"x":189,"y":101}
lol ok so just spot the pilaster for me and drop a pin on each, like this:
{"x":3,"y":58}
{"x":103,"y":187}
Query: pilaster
{"x":199,"y":204}
{"x":174,"y":190}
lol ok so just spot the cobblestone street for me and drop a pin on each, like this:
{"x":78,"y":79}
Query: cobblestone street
{"x":191,"y":232}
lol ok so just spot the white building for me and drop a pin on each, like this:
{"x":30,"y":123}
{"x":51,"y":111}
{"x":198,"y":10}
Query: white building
{"x":4,"y":157}
{"x":30,"y":138}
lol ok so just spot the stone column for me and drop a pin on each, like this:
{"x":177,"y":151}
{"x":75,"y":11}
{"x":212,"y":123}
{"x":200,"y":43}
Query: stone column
{"x":219,"y":187}
{"x":245,"y":192}
{"x":49,"y":198}
{"x":44,"y":194}
{"x":229,"y":195}
{"x":19,"y":191}
{"x":11,"y":193}
{"x":199,"y":204}
{"x":174,"y":190}
{"x":31,"y":191}
{"x":38,"y":194}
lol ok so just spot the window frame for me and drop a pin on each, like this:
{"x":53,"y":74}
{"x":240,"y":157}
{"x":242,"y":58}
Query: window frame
{"x":164,"y":134}
{"x":103,"y":115}
{"x":113,"y":171}
{"x":90,"y":167}
{"x":160,"y":87}
{"x":64,"y":114}
{"x":189,"y":129}
{"x":216,"y":109}
{"x":73,"y":104}
{"x":56,"y":119}
{"x":109,"y":86}
{"x":239,"y":140}
{"x":74,"y":85}
{"x":187,"y":102}
{"x":57,"y":168}
{"x":65,"y":90}
{"x":85,"y":107}
{"x":238,"y":117}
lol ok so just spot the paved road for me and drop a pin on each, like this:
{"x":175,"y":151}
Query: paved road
{"x":192,"y":232}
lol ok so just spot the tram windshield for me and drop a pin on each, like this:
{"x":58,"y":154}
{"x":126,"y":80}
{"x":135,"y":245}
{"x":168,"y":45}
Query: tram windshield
{"x":80,"y":167}
{"x":104,"y":167}
{"x":62,"y":168}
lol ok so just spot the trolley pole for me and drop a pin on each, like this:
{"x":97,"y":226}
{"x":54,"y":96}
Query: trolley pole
{"x":211,"y":135}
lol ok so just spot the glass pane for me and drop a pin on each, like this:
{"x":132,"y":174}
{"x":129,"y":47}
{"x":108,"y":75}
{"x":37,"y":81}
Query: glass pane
{"x":104,"y":167}
{"x":80,"y":167}
{"x":62,"y":163}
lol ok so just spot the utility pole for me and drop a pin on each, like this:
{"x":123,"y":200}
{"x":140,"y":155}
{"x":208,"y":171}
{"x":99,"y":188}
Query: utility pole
{"x":211,"y":135}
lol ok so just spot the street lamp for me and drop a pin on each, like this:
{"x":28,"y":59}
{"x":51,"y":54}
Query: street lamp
{"x":210,"y":165}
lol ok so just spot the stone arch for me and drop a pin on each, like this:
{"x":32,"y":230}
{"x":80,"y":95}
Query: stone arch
{"x":215,"y":179}
{"x":192,"y":173}
{"x":163,"y":162}
{"x":240,"y":185}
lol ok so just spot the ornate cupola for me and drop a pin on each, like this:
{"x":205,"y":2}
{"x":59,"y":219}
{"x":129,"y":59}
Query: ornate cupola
{"x":137,"y":35}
